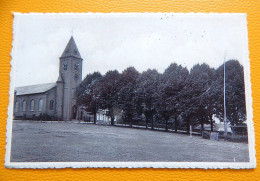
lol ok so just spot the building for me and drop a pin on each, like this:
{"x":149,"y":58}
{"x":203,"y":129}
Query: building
{"x":53,"y":99}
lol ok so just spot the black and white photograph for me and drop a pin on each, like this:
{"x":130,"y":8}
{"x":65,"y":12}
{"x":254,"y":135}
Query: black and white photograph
{"x":130,"y":90}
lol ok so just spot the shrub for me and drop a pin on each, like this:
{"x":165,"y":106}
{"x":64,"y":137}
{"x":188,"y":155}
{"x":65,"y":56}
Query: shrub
{"x":46,"y":117}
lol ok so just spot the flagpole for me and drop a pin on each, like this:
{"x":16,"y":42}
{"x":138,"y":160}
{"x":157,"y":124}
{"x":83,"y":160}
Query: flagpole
{"x":225,"y":116}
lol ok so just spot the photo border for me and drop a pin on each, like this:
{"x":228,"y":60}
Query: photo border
{"x":205,"y":165}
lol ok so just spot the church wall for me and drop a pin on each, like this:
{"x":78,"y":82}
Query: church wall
{"x":66,"y":97}
{"x":71,"y":77}
{"x":51,"y":95}
{"x":59,"y":100}
{"x":29,"y":113}
{"x":75,"y":80}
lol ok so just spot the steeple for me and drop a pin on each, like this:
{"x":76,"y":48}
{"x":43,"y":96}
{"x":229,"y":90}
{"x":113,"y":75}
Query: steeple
{"x":71,"y":50}
{"x":70,"y":77}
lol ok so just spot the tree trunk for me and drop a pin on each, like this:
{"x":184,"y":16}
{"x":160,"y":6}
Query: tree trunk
{"x":166,"y":124}
{"x":202,"y":126}
{"x":131,"y":122}
{"x":211,"y":123}
{"x":112,"y":120}
{"x":95,"y":117}
{"x":175,"y":123}
{"x":188,"y":126}
{"x":152,"y":122}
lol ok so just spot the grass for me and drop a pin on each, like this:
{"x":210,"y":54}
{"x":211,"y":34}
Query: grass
{"x":72,"y":142}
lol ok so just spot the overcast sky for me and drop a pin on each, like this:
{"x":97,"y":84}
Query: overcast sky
{"x":117,"y":41}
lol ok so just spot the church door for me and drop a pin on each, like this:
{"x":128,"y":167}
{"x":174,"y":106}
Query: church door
{"x":74,"y":112}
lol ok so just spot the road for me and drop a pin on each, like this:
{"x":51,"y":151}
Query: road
{"x":72,"y":142}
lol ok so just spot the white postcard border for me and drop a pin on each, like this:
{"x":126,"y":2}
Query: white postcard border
{"x":204,"y":165}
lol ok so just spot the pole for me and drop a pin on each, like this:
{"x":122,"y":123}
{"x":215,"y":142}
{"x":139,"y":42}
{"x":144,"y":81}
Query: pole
{"x":225,"y":117}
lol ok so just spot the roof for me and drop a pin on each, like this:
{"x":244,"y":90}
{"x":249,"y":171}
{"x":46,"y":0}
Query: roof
{"x":71,"y":49}
{"x":34,"y":89}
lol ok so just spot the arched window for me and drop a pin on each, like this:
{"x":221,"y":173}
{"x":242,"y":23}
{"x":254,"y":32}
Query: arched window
{"x":16,"y":107}
{"x":32,"y":105}
{"x":65,"y":66}
{"x":51,"y":104}
{"x":40,"y":105}
{"x":24,"y":106}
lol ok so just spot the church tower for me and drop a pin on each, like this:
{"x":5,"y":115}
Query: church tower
{"x":70,"y":76}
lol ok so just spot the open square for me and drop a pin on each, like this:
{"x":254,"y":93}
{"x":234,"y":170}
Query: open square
{"x":72,"y":142}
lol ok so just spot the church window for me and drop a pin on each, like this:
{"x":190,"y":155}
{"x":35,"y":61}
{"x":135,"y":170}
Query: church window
{"x":16,"y":107}
{"x":40,"y":105}
{"x":24,"y":106}
{"x":65,"y":66}
{"x":76,"y":52}
{"x":51,"y":104}
{"x":76,"y":66}
{"x":32,"y":105}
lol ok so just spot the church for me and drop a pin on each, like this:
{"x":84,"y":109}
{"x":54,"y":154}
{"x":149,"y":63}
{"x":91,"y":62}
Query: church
{"x":53,"y":99}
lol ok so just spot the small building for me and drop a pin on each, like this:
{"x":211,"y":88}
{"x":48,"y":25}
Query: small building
{"x":101,"y":118}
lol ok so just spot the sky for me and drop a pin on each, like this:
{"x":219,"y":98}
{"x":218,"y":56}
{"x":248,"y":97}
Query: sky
{"x":117,"y":41}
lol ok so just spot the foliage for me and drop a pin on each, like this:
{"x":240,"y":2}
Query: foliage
{"x":108,"y":94}
{"x":147,"y":92}
{"x":235,"y":92}
{"x":88,"y":93}
{"x":176,"y":96}
{"x":127,"y":85}
{"x":46,"y":117}
{"x":171,"y":93}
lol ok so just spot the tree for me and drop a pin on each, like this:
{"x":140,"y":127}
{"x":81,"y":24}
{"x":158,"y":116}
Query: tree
{"x":235,"y":92}
{"x":196,"y":102}
{"x":127,"y":94}
{"x":147,"y":94}
{"x":177,"y":94}
{"x":172,"y":83}
{"x":88,"y":92}
{"x":109,"y":88}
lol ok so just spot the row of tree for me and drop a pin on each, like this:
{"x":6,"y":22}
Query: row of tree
{"x":177,"y":96}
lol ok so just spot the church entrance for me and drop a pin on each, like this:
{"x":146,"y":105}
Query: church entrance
{"x":74,"y":112}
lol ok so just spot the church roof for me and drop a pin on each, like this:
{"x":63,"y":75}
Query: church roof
{"x":71,"y":49}
{"x":34,"y":89}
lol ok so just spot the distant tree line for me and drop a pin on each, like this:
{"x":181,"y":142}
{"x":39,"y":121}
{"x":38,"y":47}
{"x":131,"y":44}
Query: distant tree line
{"x":175,"y":99}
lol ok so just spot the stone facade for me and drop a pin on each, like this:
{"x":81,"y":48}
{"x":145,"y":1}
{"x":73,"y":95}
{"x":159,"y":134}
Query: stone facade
{"x":32,"y":105}
{"x":54,"y":99}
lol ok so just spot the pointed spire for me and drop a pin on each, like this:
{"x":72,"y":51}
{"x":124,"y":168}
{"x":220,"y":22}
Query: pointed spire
{"x":71,"y":50}
{"x":60,"y":79}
